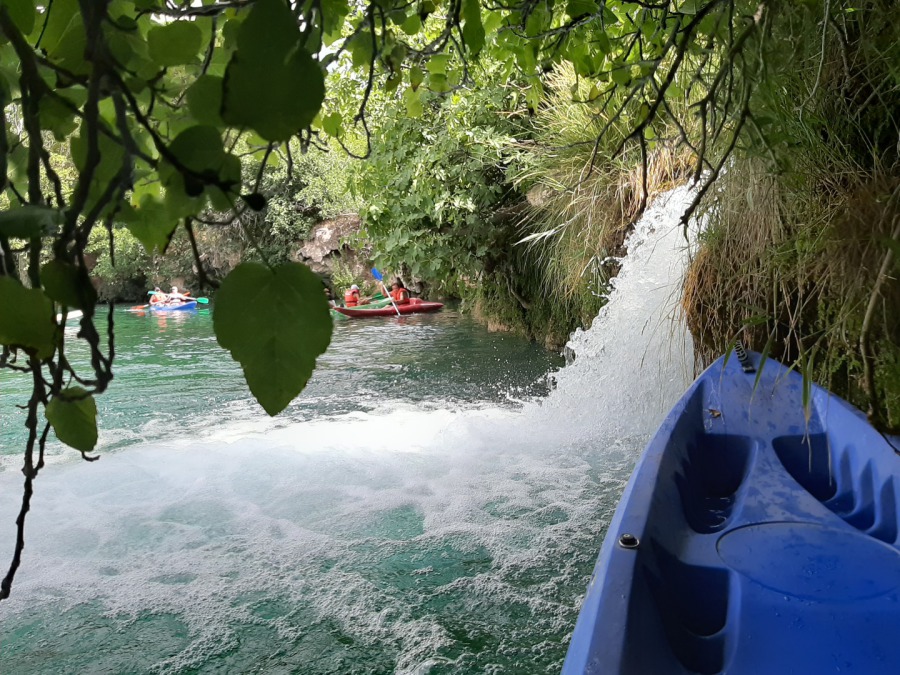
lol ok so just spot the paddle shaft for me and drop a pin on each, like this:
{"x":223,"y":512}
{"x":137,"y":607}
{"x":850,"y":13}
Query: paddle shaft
{"x":377,"y":275}
{"x":391,"y":297}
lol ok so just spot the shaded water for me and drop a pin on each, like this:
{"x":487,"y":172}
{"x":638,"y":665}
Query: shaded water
{"x":415,"y":511}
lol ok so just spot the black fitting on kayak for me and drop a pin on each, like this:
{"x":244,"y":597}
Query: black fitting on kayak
{"x":743,"y":358}
{"x":628,"y":541}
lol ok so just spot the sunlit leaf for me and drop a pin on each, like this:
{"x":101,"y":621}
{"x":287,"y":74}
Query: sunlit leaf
{"x":25,"y":222}
{"x":275,"y":322}
{"x":26,"y":318}
{"x":473,"y":29}
{"x":22,"y":13}
{"x":412,"y":25}
{"x":73,"y":416}
{"x":416,"y":77}
{"x":332,"y":124}
{"x":437,"y":64}
{"x":437,"y":82}
{"x":272,"y":85}
{"x":68,"y":285}
{"x":204,"y":99}
{"x":174,"y":44}
{"x":151,"y":223}
{"x":413,"y":101}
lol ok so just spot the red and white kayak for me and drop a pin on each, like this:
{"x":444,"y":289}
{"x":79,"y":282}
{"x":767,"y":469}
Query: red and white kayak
{"x":414,"y":306}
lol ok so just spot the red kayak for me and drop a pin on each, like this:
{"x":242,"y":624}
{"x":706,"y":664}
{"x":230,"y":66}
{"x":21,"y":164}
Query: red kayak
{"x":414,"y":306}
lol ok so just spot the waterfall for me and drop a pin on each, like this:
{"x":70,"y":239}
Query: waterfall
{"x":636,"y":359}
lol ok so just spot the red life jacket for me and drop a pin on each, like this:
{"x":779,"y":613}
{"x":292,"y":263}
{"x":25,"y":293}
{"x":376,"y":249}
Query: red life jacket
{"x":351,"y":298}
{"x":400,"y":296}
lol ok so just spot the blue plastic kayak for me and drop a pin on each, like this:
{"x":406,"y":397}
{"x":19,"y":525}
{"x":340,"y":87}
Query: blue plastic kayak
{"x":189,"y":304}
{"x":749,"y":542}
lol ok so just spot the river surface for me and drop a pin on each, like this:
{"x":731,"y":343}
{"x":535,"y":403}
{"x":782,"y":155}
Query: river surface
{"x":432,"y":503}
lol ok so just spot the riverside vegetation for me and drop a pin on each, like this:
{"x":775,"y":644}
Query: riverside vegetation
{"x":508,"y":148}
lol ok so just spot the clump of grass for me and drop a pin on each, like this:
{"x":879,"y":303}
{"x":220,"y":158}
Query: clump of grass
{"x":581,"y":199}
{"x":797,"y":255}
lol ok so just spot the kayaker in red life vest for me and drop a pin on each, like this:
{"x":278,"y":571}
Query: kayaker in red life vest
{"x":158,"y":296}
{"x":399,"y":294}
{"x":351,"y":297}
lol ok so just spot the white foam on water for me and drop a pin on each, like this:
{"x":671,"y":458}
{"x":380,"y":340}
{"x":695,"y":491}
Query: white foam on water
{"x":405,"y":534}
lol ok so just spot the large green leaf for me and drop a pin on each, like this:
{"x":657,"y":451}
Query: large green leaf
{"x":175,"y":43}
{"x":69,"y":49}
{"x":272,"y":85}
{"x":22,"y":13}
{"x":58,"y":22}
{"x":68,"y":285}
{"x":204,"y":99}
{"x":332,"y":124}
{"x":199,"y":148}
{"x":57,"y":118}
{"x":150,"y":222}
{"x":412,"y":24}
{"x":26,"y":319}
{"x":275,"y":322}
{"x":130,"y":50}
{"x":73,"y":416}
{"x":577,"y":8}
{"x":416,"y":76}
{"x":413,"y":101}
{"x":25,"y":222}
{"x":473,"y":29}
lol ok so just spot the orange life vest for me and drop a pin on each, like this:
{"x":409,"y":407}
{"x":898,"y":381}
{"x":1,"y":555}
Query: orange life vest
{"x":351,"y":298}
{"x":400,"y":296}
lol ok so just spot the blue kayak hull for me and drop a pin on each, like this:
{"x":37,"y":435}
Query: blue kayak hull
{"x":760,"y":543}
{"x":192,"y":304}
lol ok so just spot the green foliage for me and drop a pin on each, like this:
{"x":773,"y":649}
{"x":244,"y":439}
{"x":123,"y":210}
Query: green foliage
{"x":793,"y":252}
{"x":272,"y":84}
{"x":68,"y":285}
{"x":131,"y":262}
{"x":73,"y":415}
{"x":342,"y":276}
{"x":275,"y":322}
{"x":26,"y":222}
{"x":316,"y":189}
{"x":432,"y":186}
{"x":26,"y":319}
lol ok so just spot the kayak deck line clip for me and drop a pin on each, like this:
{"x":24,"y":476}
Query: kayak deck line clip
{"x":628,"y":541}
{"x":743,"y":359}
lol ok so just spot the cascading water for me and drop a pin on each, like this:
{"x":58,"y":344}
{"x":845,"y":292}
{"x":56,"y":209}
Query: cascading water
{"x":400,"y":538}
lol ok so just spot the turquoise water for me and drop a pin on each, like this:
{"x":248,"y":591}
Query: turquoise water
{"x":171,"y":376}
{"x":432,"y":504}
{"x":401,"y":516}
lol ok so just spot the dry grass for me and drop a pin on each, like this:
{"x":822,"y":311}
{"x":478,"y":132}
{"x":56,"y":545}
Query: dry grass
{"x":582,"y":201}
{"x":796,"y":256}
{"x":792,"y":272}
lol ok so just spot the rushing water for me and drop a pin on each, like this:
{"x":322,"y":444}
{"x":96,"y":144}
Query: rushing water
{"x":424,"y":507}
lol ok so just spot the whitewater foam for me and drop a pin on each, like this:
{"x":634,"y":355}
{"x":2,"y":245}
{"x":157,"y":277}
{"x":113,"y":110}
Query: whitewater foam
{"x":418,"y":540}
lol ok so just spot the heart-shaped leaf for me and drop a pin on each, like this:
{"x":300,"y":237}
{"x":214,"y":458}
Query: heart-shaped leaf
{"x":26,"y":319}
{"x":73,"y":416}
{"x":275,"y":322}
{"x":68,"y":285}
